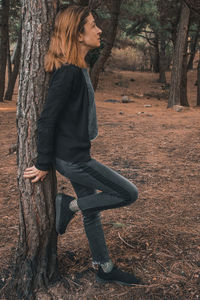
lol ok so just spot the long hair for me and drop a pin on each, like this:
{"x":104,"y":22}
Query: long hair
{"x":63,"y":47}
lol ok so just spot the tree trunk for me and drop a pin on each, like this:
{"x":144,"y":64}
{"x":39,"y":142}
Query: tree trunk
{"x":161,"y":4}
{"x":105,"y":53}
{"x":198,"y":82}
{"x":162,"y":64}
{"x":183,"y":86}
{"x":174,"y":95}
{"x":13,"y":76}
{"x":4,"y":16}
{"x":9,"y":60}
{"x":193,"y":48}
{"x":156,"y":63}
{"x":36,"y":257}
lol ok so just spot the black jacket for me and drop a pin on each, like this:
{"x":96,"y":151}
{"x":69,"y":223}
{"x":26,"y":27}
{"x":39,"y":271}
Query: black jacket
{"x":63,"y":123}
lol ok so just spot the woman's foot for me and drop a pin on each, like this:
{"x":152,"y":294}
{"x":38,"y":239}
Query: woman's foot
{"x":63,"y":213}
{"x":116,"y":275}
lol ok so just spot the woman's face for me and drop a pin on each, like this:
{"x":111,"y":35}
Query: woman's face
{"x":91,"y":36}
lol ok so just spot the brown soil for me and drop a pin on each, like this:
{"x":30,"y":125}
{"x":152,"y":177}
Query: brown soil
{"x":157,"y":237}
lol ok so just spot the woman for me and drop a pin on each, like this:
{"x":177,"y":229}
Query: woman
{"x":66,"y":126}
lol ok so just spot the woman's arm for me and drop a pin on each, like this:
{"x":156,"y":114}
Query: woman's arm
{"x":57,"y":96}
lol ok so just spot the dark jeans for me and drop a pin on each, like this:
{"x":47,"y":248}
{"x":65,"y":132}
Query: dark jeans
{"x":116,"y":191}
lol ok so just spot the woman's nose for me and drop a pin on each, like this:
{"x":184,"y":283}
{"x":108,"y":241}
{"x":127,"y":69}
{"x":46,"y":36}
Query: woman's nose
{"x":100,"y":31}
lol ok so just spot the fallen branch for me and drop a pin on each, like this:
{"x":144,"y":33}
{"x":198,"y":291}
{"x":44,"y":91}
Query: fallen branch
{"x":125,"y":241}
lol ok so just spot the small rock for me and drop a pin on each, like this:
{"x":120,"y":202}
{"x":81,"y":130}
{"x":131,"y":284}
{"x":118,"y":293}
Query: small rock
{"x":121,"y":113}
{"x":125,"y":98}
{"x":149,"y":115}
{"x":137,"y":95}
{"x":140,"y":112}
{"x":132,"y":79}
{"x":147,"y":105}
{"x":178,"y":108}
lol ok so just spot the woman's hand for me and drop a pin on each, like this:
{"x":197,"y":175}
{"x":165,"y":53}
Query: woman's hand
{"x":34,"y":172}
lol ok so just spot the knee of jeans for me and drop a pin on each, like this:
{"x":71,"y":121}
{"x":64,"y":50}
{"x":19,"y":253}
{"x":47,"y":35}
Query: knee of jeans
{"x":132,"y":195}
{"x":91,"y":217}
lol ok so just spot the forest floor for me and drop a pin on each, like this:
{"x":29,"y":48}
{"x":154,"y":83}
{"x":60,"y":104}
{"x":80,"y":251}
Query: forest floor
{"x":157,"y":237}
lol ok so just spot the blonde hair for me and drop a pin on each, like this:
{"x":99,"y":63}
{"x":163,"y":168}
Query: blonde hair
{"x":63,"y":47}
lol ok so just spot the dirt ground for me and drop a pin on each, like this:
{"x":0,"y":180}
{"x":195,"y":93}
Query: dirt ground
{"x":157,"y":237}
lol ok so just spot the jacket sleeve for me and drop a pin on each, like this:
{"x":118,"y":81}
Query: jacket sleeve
{"x":57,"y":95}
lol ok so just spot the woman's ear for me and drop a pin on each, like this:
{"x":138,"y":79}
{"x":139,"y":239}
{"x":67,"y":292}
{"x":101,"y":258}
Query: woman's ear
{"x":80,"y":37}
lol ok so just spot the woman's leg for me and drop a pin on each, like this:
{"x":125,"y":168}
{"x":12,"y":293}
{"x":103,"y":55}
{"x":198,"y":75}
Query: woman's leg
{"x":116,"y":190}
{"x":93,"y":227}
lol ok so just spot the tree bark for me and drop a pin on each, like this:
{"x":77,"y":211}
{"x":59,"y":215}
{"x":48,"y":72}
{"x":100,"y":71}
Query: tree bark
{"x":193,"y":48}
{"x":14,"y":74}
{"x":174,"y":95}
{"x":4,"y":16}
{"x":162,"y":64}
{"x":105,"y":53}
{"x":183,"y":86}
{"x":198,"y":82}
{"x":156,"y":63}
{"x":36,"y":257}
{"x":9,"y":59}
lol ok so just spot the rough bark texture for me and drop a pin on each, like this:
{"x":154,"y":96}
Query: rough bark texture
{"x":14,"y":73}
{"x":4,"y":14}
{"x":36,"y":257}
{"x":9,"y":65}
{"x":174,"y":96}
{"x":156,"y":62}
{"x":105,"y":53}
{"x":198,"y":82}
{"x":183,"y":86}
{"x":162,"y":64}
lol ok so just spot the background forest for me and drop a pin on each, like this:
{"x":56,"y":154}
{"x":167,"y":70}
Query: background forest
{"x":145,"y":31}
{"x":146,"y":76}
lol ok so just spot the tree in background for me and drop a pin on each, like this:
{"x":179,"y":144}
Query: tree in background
{"x":4,"y":17}
{"x":193,"y":39}
{"x":10,"y":32}
{"x":14,"y":37}
{"x":198,"y":81}
{"x":194,"y":5}
{"x":180,"y":46}
{"x":137,"y":20}
{"x":15,"y":70}
{"x":155,"y":21}
{"x":114,"y":10}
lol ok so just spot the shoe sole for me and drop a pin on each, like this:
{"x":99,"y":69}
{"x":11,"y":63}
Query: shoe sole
{"x":60,"y":209}
{"x":100,"y":280}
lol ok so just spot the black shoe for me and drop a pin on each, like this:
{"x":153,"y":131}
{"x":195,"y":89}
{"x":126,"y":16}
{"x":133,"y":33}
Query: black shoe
{"x":63,"y":213}
{"x":116,"y":275}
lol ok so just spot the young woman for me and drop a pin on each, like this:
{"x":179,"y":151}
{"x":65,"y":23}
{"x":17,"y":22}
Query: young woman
{"x":66,"y":126}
